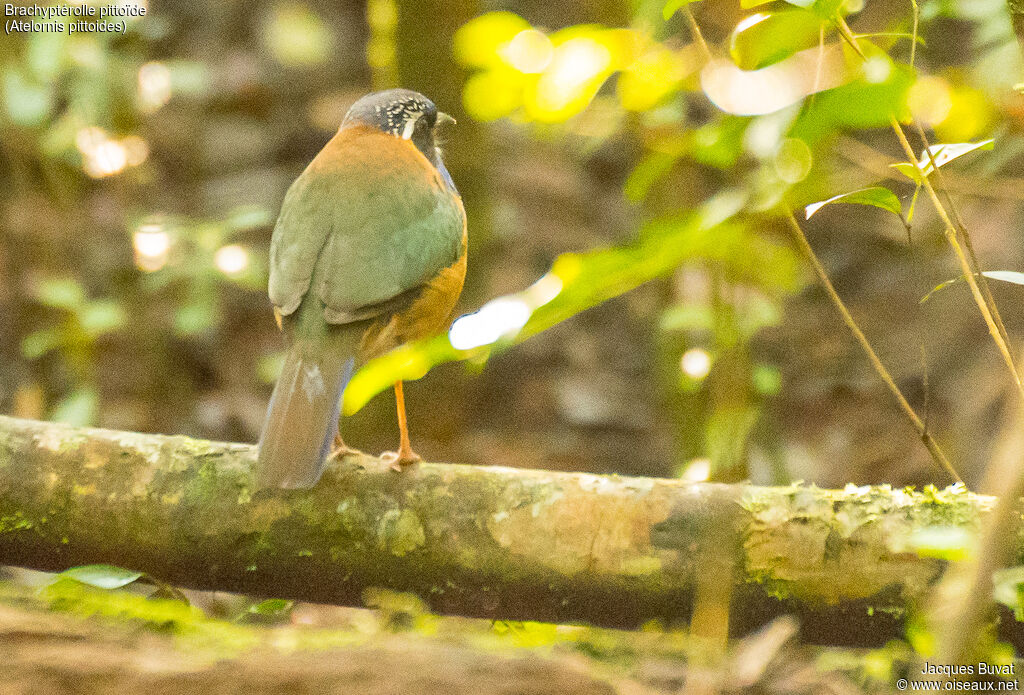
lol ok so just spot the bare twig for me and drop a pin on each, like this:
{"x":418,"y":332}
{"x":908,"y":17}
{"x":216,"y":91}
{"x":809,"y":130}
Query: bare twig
{"x":695,"y":31}
{"x":926,"y":438}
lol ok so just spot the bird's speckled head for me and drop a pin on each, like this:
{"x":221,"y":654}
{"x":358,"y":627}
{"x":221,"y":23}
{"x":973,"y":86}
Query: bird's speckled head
{"x":405,"y":114}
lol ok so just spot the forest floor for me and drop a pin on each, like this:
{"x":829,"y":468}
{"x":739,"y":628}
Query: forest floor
{"x":64,"y":637}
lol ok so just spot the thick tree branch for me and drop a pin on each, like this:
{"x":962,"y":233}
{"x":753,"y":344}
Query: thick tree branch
{"x":480,"y":541}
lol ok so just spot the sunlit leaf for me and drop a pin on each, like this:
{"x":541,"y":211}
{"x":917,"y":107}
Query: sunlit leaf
{"x":102,"y":576}
{"x":941,"y":155}
{"x":765,"y":38}
{"x":493,"y":94}
{"x":652,"y":77}
{"x":867,"y":102}
{"x":673,"y":6}
{"x":877,"y":196}
{"x":584,"y":58}
{"x":477,"y":42}
{"x":577,"y":282}
{"x":942,"y":542}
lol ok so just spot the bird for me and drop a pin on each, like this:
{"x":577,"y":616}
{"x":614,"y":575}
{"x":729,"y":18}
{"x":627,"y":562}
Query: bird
{"x":368,"y":253}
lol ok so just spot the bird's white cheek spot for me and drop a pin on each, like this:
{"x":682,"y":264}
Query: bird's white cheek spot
{"x":410,"y":126}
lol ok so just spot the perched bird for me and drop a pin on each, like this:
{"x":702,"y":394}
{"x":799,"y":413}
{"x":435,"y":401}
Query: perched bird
{"x":369,"y":252}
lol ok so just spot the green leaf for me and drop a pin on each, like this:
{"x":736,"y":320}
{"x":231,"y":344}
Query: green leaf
{"x":942,"y":542}
{"x":1010,"y":276}
{"x":61,"y":293}
{"x":37,"y":344}
{"x":1008,"y":589}
{"x":97,"y":318}
{"x":102,"y":576}
{"x":1005,"y":276}
{"x":877,"y":196}
{"x":28,"y":103}
{"x":193,"y":319}
{"x":80,"y":408}
{"x":867,"y":102}
{"x":762,"y":39}
{"x":476,"y":43}
{"x":272,"y":607}
{"x":577,"y":282}
{"x":673,"y":6}
{"x":942,"y":154}
{"x":941,"y":286}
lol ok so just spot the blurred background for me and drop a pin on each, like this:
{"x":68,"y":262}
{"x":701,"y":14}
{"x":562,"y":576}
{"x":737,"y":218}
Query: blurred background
{"x":142,"y":174}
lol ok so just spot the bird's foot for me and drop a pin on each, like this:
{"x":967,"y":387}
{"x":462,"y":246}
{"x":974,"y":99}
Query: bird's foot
{"x":340,"y":450}
{"x":401,"y":459}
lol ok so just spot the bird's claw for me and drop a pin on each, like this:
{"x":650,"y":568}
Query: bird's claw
{"x":400,"y":460}
{"x":340,"y":450}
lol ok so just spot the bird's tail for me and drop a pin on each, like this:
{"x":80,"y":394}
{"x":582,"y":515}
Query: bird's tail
{"x":302,"y":418}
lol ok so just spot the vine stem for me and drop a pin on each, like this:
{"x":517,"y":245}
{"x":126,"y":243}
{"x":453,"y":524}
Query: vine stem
{"x":965,"y":265}
{"x":965,"y":235}
{"x":984,"y":300}
{"x":926,"y":438}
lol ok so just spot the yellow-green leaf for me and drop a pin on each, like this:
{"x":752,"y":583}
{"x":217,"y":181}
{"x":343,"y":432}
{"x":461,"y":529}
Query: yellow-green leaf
{"x":102,"y":576}
{"x":673,"y":6}
{"x":939,"y":155}
{"x":765,"y":38}
{"x":877,"y":196}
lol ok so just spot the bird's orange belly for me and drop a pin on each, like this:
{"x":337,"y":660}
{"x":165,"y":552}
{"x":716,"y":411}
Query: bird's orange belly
{"x":426,"y":316}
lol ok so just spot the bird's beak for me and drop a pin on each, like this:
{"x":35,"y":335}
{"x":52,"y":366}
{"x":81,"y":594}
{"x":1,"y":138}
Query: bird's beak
{"x":444,"y":119}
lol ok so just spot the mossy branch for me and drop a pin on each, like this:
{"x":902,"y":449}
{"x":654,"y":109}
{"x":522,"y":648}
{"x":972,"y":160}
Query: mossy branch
{"x":480,"y":541}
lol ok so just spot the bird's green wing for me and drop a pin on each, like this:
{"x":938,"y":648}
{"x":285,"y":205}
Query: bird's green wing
{"x":361,"y":231}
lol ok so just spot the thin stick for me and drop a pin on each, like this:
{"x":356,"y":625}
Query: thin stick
{"x":913,"y":38}
{"x":926,"y":438}
{"x":964,"y":234}
{"x":698,"y":37}
{"x":965,"y":266}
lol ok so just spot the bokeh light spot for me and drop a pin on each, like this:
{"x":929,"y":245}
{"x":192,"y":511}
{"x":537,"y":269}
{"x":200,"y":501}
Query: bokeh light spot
{"x":154,"y":84}
{"x":496,"y":319}
{"x":696,"y":471}
{"x":152,"y":246}
{"x":930,"y":100}
{"x":530,"y":51}
{"x":231,"y":259}
{"x":695,"y":363}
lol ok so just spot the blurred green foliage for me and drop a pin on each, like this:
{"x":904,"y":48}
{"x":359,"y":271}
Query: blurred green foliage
{"x":143,"y":175}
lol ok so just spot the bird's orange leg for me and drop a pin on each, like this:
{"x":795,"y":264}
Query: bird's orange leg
{"x":405,"y":456}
